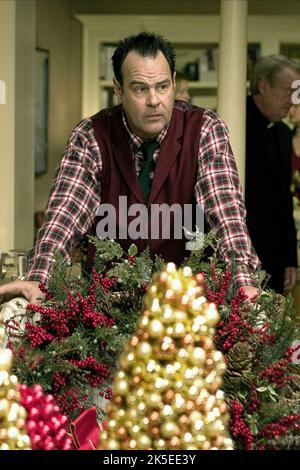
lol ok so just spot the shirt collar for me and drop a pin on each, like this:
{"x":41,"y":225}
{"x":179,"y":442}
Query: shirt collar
{"x":259,"y":117}
{"x":135,"y":140}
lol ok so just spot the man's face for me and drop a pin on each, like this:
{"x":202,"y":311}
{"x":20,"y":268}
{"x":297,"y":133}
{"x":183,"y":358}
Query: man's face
{"x":276,"y":99}
{"x":147,"y":94}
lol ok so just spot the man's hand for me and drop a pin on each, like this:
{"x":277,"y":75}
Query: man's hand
{"x":251,"y":292}
{"x":28,"y":289}
{"x":290,"y":275}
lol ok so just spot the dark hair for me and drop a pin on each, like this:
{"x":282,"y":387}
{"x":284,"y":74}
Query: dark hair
{"x":146,"y":45}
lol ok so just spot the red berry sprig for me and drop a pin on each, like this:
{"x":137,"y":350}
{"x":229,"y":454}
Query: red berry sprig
{"x":237,"y":426}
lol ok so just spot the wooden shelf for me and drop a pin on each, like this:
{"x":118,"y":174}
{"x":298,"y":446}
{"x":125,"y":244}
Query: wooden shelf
{"x":188,"y":33}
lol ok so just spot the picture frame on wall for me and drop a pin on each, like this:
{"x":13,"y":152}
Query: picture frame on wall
{"x":41,"y":110}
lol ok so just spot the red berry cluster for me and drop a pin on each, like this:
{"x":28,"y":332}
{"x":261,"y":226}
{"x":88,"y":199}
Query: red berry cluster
{"x":46,"y":425}
{"x":90,"y":317}
{"x":144,"y":288}
{"x":272,"y":430}
{"x":237,"y":426}
{"x":59,"y":381}
{"x":71,"y":402}
{"x":218,"y":295}
{"x":96,"y":372}
{"x":107,"y":393}
{"x":37,"y":335}
{"x":254,"y":400}
{"x":55,"y":320}
{"x":131,"y":259}
{"x":48,"y":295}
{"x":235,"y":329}
{"x":106,"y":283}
{"x":276,"y":373}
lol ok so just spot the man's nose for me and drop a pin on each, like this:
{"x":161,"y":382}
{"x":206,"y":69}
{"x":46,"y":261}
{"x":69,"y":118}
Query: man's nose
{"x":153,"y":98}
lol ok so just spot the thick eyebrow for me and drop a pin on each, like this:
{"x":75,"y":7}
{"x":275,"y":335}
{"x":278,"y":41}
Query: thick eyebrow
{"x":136,"y":82}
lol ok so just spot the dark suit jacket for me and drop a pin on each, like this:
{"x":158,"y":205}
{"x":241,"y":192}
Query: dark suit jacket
{"x":267,"y":194}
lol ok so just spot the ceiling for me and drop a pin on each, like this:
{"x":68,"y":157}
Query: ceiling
{"x":205,"y":7}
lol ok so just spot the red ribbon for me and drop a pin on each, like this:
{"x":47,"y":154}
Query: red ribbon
{"x":85,"y":430}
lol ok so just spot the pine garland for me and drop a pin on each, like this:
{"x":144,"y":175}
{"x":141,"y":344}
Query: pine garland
{"x":84,"y":324}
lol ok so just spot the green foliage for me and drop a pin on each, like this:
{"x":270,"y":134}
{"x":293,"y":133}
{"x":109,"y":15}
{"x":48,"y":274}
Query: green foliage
{"x":254,"y":337}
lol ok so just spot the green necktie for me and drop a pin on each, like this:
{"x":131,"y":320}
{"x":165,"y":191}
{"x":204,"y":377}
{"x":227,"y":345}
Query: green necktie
{"x":145,"y":177}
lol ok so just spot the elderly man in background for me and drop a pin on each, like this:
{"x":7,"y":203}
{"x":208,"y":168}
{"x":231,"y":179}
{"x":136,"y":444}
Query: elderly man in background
{"x":268,"y":170}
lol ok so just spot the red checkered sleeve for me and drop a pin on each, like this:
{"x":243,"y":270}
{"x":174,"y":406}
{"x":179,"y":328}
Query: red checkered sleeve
{"x":219,"y":193}
{"x":73,"y":201}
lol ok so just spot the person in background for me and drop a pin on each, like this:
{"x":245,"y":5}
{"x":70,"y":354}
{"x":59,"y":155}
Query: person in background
{"x":182,"y":87}
{"x":150,"y":150}
{"x":268,"y":198}
{"x":294,"y":116}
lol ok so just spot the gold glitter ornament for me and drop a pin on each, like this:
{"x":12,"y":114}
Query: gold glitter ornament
{"x":13,"y":434}
{"x":169,"y":390}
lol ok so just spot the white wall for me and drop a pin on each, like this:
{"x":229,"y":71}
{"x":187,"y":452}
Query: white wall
{"x":60,"y":33}
{"x":17,"y":42}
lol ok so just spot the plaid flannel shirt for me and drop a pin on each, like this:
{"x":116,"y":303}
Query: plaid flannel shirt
{"x":76,"y":194}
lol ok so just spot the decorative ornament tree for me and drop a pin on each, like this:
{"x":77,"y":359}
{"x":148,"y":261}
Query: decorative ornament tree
{"x":166,"y":393}
{"x":13,"y":434}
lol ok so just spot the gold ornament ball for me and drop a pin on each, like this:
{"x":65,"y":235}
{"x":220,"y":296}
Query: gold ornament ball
{"x":175,"y":442}
{"x":212,"y":316}
{"x":197,"y":356}
{"x":169,"y":429}
{"x":112,"y":444}
{"x":156,"y":328}
{"x":168,"y":396}
{"x":4,"y":407}
{"x":144,"y":349}
{"x":143,"y":441}
{"x":160,"y":444}
{"x":153,"y":400}
{"x":5,"y":360}
{"x":121,"y":387}
{"x":154,"y":417}
{"x":132,"y":444}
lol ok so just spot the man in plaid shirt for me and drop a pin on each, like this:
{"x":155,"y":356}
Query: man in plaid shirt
{"x":144,"y":68}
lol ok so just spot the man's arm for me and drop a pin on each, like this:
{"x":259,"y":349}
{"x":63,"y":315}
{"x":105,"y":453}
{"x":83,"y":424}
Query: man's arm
{"x":218,"y":191}
{"x":27,"y":289}
{"x":72,"y":204}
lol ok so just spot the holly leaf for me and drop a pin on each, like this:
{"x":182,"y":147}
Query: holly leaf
{"x":132,"y":251}
{"x":272,"y":391}
{"x":262,"y":389}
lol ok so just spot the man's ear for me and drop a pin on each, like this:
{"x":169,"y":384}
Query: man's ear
{"x":118,"y":89}
{"x":262,"y":86}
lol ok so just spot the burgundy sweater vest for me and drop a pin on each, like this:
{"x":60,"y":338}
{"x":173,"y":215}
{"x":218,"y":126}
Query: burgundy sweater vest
{"x":174,"y":177}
